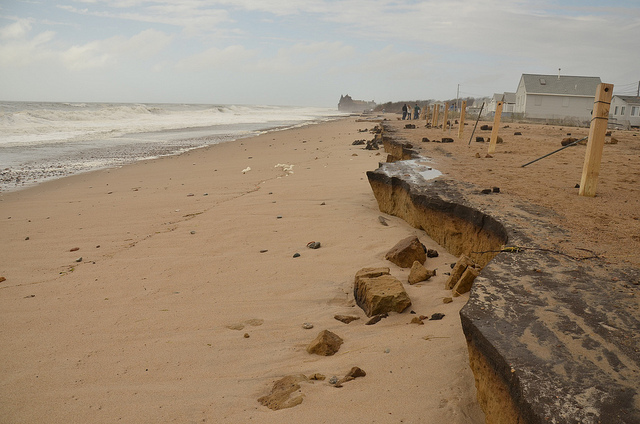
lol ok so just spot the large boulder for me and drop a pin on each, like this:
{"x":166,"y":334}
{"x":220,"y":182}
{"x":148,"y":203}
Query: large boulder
{"x":406,"y":252}
{"x":380,"y":293}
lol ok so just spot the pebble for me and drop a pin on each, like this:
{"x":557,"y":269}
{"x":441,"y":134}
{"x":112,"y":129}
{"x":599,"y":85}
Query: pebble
{"x":26,"y":238}
{"x":296,"y":255}
{"x":333,"y":380}
{"x":313,"y":245}
{"x":387,"y":350}
{"x":246,"y":335}
{"x":193,"y":232}
{"x":79,"y":259}
{"x":279,"y":217}
{"x":307,"y":326}
{"x":436,"y":316}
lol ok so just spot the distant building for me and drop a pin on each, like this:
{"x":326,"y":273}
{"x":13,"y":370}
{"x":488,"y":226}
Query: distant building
{"x":561,"y":97}
{"x":625,"y":111}
{"x":508,"y":103}
{"x":347,"y":104}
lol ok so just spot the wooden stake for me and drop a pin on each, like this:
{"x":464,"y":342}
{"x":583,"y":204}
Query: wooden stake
{"x":463,"y":112}
{"x":444,"y":119}
{"x":595,"y":145}
{"x":436,"y":111}
{"x":494,"y":131}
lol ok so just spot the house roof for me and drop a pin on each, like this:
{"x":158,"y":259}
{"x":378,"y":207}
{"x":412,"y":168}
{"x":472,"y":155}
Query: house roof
{"x":509,"y":97}
{"x":560,"y":85}
{"x":634,"y":100}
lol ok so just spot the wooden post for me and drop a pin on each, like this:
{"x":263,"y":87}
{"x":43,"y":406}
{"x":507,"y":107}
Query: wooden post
{"x":463,"y":112}
{"x":595,"y":145}
{"x":494,"y":131}
{"x":422,"y":112}
{"x":444,"y":119}
{"x":436,"y":111}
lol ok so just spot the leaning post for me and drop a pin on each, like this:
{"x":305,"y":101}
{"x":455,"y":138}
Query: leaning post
{"x":436,"y":111}
{"x":463,"y":111}
{"x":595,"y":145}
{"x":494,"y":131}
{"x":444,"y":119}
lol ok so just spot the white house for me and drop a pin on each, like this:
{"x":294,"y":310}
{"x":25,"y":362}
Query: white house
{"x":625,"y":110}
{"x":508,"y":103}
{"x":561,"y":97}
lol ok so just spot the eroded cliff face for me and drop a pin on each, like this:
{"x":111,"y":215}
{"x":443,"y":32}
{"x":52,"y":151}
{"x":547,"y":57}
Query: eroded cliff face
{"x":549,"y":341}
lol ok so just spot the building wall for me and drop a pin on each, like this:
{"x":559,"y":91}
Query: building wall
{"x":558,"y":107}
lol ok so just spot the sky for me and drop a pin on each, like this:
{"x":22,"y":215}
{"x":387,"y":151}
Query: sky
{"x":307,"y":52}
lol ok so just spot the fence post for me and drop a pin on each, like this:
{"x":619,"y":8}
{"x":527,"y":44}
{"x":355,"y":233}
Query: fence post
{"x":494,"y":131}
{"x":463,"y":111}
{"x":436,"y":111}
{"x":444,"y":119}
{"x":595,"y":145}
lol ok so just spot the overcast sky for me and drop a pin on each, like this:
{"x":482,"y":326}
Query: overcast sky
{"x":307,"y":52}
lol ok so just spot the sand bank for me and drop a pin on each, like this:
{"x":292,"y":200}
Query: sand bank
{"x":179,"y":259}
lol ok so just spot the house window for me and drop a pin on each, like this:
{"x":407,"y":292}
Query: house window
{"x":635,"y":111}
{"x":615,"y":111}
{"x":622,"y":108}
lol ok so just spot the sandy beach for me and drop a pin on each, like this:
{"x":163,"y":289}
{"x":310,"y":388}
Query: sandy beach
{"x":168,"y":291}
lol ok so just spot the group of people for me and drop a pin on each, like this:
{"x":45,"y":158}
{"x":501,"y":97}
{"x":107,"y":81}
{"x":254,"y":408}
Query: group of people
{"x":406,"y":112}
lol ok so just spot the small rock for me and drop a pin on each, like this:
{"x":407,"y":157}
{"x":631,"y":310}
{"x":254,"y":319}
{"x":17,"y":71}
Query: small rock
{"x":387,"y":350}
{"x":376,"y":318}
{"x":333,"y":380}
{"x":346,"y":318}
{"x":486,"y":191}
{"x":383,"y":221}
{"x":325,"y":344}
{"x":425,"y":140}
{"x":193,"y":232}
{"x":517,"y":133}
{"x":264,"y":251}
{"x":26,"y":238}
{"x":79,"y":259}
{"x":577,"y":186}
{"x":246,"y":335}
{"x":417,"y":320}
{"x":322,"y":204}
{"x":190,"y":195}
{"x":447,"y":140}
{"x":307,"y":326}
{"x":313,"y":245}
{"x":75,"y":249}
{"x":488,"y":156}
{"x":296,"y":255}
{"x":279,"y":217}
{"x":2,"y":279}
{"x":479,"y":139}
{"x":478,"y":155}
{"x":437,"y":316}
{"x":432,"y":253}
{"x":447,"y":300}
{"x":496,"y":189}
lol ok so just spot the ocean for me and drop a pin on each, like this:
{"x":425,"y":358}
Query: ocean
{"x":40,"y":141}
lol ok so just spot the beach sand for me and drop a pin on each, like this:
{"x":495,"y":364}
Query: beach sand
{"x":168,"y":291}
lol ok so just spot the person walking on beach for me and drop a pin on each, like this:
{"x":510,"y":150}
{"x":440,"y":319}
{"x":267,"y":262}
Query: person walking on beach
{"x":404,"y":112}
{"x":416,"y":111}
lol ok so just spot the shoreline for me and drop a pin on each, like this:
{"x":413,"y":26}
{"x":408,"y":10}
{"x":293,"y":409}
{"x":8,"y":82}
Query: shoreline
{"x":190,"y":246}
